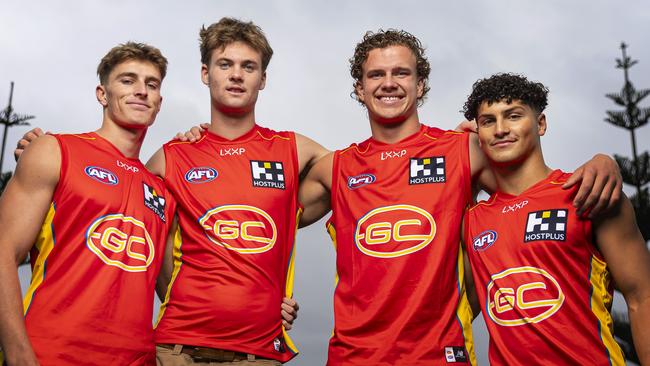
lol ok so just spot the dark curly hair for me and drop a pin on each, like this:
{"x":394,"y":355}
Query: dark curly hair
{"x":508,"y":87}
{"x":382,"y":39}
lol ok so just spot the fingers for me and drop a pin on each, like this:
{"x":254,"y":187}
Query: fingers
{"x":573,"y":179}
{"x":181,"y":137}
{"x":194,"y":133}
{"x":204,"y":126}
{"x":589,"y":191}
{"x":467,"y":126}
{"x":289,"y":312}
{"x":27,"y":138}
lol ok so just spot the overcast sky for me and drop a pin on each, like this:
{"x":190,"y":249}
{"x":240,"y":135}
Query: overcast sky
{"x":51,"y":50}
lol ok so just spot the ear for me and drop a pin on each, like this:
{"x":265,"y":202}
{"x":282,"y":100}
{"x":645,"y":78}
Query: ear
{"x":100,"y":93}
{"x":541,"y":124}
{"x":263,"y":83}
{"x":420,"y":88}
{"x":204,"y":74}
{"x":358,"y":90}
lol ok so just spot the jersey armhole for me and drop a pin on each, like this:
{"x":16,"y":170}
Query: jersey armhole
{"x":63,"y":169}
{"x":334,"y":188}
{"x":466,"y":168}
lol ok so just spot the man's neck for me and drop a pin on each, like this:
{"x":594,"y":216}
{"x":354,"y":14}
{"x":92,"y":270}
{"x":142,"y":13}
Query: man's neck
{"x":516,"y":178}
{"x":231,"y":126}
{"x":127,"y":141}
{"x":395,"y":132}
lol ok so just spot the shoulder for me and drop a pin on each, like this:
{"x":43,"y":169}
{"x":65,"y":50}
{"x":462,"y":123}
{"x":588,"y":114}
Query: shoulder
{"x":41,"y":159}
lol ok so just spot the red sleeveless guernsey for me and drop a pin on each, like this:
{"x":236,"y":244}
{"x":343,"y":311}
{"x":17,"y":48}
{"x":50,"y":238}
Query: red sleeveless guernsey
{"x":95,"y":263}
{"x":396,"y":215}
{"x":544,"y":288}
{"x":233,"y":257}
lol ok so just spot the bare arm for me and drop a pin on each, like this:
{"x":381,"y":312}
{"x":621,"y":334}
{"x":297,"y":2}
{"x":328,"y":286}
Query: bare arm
{"x":601,"y":185}
{"x":482,"y":176}
{"x":309,"y":152}
{"x":167,"y":267}
{"x":156,"y":164}
{"x":23,"y":207}
{"x":619,"y":240}
{"x":314,"y":192}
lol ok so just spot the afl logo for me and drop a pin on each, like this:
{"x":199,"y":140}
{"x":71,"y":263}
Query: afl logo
{"x":360,"y":180}
{"x":121,"y":241}
{"x":202,"y":174}
{"x":101,"y":175}
{"x":484,"y":240}
{"x":523,"y":295}
{"x":394,"y":231}
{"x":242,"y":228}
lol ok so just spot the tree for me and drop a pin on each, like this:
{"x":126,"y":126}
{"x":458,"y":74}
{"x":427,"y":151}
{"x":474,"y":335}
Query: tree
{"x":10,"y":119}
{"x":635,"y":172}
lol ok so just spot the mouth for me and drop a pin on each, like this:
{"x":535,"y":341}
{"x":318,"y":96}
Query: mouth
{"x":235,"y":90}
{"x":502,"y":143}
{"x":140,"y":106}
{"x":389,"y":99}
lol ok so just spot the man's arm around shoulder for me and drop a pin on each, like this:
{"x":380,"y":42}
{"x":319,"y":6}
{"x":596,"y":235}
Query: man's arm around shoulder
{"x":314,"y":192}
{"x":23,"y":207}
{"x":621,"y":244}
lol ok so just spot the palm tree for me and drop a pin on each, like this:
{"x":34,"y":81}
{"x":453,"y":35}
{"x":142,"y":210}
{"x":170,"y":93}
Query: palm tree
{"x":10,"y":119}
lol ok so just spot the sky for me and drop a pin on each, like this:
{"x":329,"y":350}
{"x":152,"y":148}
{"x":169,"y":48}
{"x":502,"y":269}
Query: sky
{"x":51,"y":49}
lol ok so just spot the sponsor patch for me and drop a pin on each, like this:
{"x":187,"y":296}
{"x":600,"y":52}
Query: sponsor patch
{"x":427,"y":170}
{"x":546,"y":225}
{"x":127,"y":167}
{"x":155,"y":202}
{"x":278,"y":345}
{"x":516,"y":206}
{"x":202,"y":174}
{"x":267,"y":174}
{"x":455,"y":354}
{"x":121,"y":241}
{"x":360,"y":180}
{"x":230,"y":151}
{"x":522,"y":295}
{"x":101,"y":175}
{"x":484,"y":240}
{"x":392,"y":154}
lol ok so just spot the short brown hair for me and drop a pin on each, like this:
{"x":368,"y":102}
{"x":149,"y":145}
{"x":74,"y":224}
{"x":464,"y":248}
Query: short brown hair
{"x":382,"y":39}
{"x":230,"y":30}
{"x":131,"y":51}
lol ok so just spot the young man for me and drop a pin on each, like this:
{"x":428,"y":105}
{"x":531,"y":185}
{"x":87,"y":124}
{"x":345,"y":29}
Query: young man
{"x":543,"y":273}
{"x":237,"y":192}
{"x":397,"y":201}
{"x":99,"y":221}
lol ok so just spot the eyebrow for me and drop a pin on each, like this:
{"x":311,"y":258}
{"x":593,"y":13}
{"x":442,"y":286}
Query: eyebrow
{"x":245,"y":61}
{"x":135,"y":76}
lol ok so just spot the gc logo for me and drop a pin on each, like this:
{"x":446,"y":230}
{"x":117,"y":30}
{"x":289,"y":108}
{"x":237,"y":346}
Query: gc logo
{"x":121,"y":241}
{"x":242,"y":228}
{"x":523,"y":295}
{"x":394,"y":231}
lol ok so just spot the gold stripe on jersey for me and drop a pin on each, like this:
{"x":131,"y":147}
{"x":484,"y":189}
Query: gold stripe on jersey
{"x":464,"y":309}
{"x":187,"y":142}
{"x":289,"y":283}
{"x":332,"y":231}
{"x":85,"y":137}
{"x":44,"y":245}
{"x":272,"y":137}
{"x":601,"y":303}
{"x":176,"y":253}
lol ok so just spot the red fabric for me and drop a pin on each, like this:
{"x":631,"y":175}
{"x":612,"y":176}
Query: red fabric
{"x":88,"y":311}
{"x":222,"y":296}
{"x":397,"y":246}
{"x":547,"y":278}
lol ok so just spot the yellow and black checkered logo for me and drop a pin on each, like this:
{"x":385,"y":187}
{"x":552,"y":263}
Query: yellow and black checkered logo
{"x":427,"y":170}
{"x":546,"y":225}
{"x":267,"y":174}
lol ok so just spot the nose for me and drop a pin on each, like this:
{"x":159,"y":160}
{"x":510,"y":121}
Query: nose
{"x":141,"y":88}
{"x":389,"y":83}
{"x":236,"y":73}
{"x":501,"y":128}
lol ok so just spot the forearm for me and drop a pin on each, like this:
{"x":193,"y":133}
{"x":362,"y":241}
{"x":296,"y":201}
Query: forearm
{"x":13,"y":334}
{"x":639,"y":314}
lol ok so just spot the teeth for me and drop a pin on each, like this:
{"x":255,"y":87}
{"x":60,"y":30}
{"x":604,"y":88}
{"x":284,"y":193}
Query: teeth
{"x":389,"y":99}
